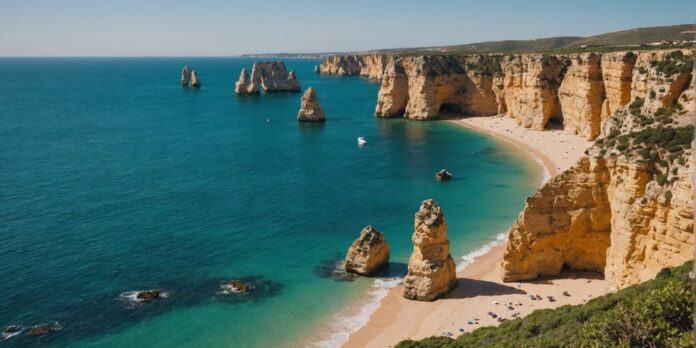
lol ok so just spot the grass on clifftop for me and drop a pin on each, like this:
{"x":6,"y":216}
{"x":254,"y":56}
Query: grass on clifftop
{"x":656,"y":313}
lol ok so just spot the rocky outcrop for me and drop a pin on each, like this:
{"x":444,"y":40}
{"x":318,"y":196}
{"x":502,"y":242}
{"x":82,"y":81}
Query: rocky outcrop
{"x":431,"y":269}
{"x":195,"y":80}
{"x":626,"y":209}
{"x":185,"y":76}
{"x":310,"y":110}
{"x":578,"y":91}
{"x":368,"y":254}
{"x":247,"y":84}
{"x":268,"y":76}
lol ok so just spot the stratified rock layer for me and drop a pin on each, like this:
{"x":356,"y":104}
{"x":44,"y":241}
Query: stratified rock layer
{"x":578,"y":91}
{"x":431,"y":269}
{"x":310,"y":110}
{"x":368,"y":254}
{"x":371,"y":65}
{"x":625,"y":209}
{"x":268,"y":76}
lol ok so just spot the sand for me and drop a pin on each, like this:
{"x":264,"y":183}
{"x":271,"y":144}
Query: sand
{"x":557,"y":150}
{"x":480,"y":287}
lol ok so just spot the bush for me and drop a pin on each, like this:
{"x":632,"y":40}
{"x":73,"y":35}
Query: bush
{"x":636,"y":105}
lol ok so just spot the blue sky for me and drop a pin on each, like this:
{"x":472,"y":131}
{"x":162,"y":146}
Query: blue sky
{"x":223,"y":28}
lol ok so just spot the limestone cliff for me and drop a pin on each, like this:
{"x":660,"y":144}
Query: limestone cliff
{"x":578,"y":91}
{"x":269,"y":76}
{"x":431,"y":269}
{"x":372,"y":66}
{"x":626,"y":209}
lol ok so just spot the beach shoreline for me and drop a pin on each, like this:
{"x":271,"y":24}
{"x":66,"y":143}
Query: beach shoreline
{"x":480,"y":288}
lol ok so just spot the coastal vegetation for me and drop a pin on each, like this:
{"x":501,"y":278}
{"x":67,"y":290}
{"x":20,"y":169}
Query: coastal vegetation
{"x":656,"y":313}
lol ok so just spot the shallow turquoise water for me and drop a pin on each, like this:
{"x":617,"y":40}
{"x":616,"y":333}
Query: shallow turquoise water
{"x":114,"y":178}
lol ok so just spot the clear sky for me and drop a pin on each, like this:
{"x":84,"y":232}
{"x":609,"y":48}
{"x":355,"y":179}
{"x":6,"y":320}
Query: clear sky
{"x":230,"y":27}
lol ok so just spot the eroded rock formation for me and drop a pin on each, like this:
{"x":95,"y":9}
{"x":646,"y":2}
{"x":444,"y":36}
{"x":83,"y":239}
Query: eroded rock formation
{"x":578,"y":91}
{"x":626,"y":209}
{"x":195,"y":80}
{"x":247,"y":84}
{"x":185,"y":76}
{"x":268,"y":76}
{"x":431,"y":269}
{"x":310,"y":110}
{"x":368,"y":254}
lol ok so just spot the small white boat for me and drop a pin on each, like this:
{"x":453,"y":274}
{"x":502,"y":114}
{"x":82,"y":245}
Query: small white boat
{"x":361,"y":141}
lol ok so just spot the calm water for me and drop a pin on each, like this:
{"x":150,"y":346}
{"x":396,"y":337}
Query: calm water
{"x":114,"y":178}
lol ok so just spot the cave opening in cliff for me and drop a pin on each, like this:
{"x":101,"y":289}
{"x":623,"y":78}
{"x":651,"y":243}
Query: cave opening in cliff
{"x":450,"y":109}
{"x":555,"y":122}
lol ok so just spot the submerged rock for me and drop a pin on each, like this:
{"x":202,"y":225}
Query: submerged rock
{"x":185,"y":76}
{"x":310,"y":110}
{"x":443,"y":175}
{"x":195,"y":81}
{"x":39,"y":330}
{"x":431,"y":269}
{"x":368,"y":254}
{"x":147,"y":295}
{"x":236,"y":286}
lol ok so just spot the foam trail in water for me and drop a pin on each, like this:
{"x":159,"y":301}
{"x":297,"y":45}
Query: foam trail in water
{"x":346,"y":322}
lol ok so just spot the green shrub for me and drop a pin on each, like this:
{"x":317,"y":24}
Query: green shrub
{"x":636,"y":105}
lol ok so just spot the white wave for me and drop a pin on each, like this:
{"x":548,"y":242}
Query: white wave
{"x":468,"y":259}
{"x":348,"y":321}
{"x":545,"y":175}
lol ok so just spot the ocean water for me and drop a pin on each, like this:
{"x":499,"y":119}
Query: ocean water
{"x":114,"y":178}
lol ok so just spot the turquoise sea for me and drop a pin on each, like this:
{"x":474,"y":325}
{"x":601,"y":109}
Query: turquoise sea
{"x":114,"y":178}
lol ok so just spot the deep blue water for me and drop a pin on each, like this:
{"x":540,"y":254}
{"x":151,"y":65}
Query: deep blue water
{"x":114,"y":178}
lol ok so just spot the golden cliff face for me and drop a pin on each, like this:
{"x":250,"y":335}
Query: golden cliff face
{"x":625,"y":209}
{"x":579,"y":91}
{"x":581,"y":95}
{"x":372,"y":66}
{"x":422,"y":87}
{"x":530,"y":88}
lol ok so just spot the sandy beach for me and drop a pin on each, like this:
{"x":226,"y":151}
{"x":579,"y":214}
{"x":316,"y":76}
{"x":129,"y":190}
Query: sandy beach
{"x":480,"y":288}
{"x":556,"y":149}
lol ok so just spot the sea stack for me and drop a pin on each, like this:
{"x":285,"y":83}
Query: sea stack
{"x":431,"y":269}
{"x":368,"y":254}
{"x":245,"y":84}
{"x":195,"y":81}
{"x":185,"y":76}
{"x":269,"y":76}
{"x":310,"y":110}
